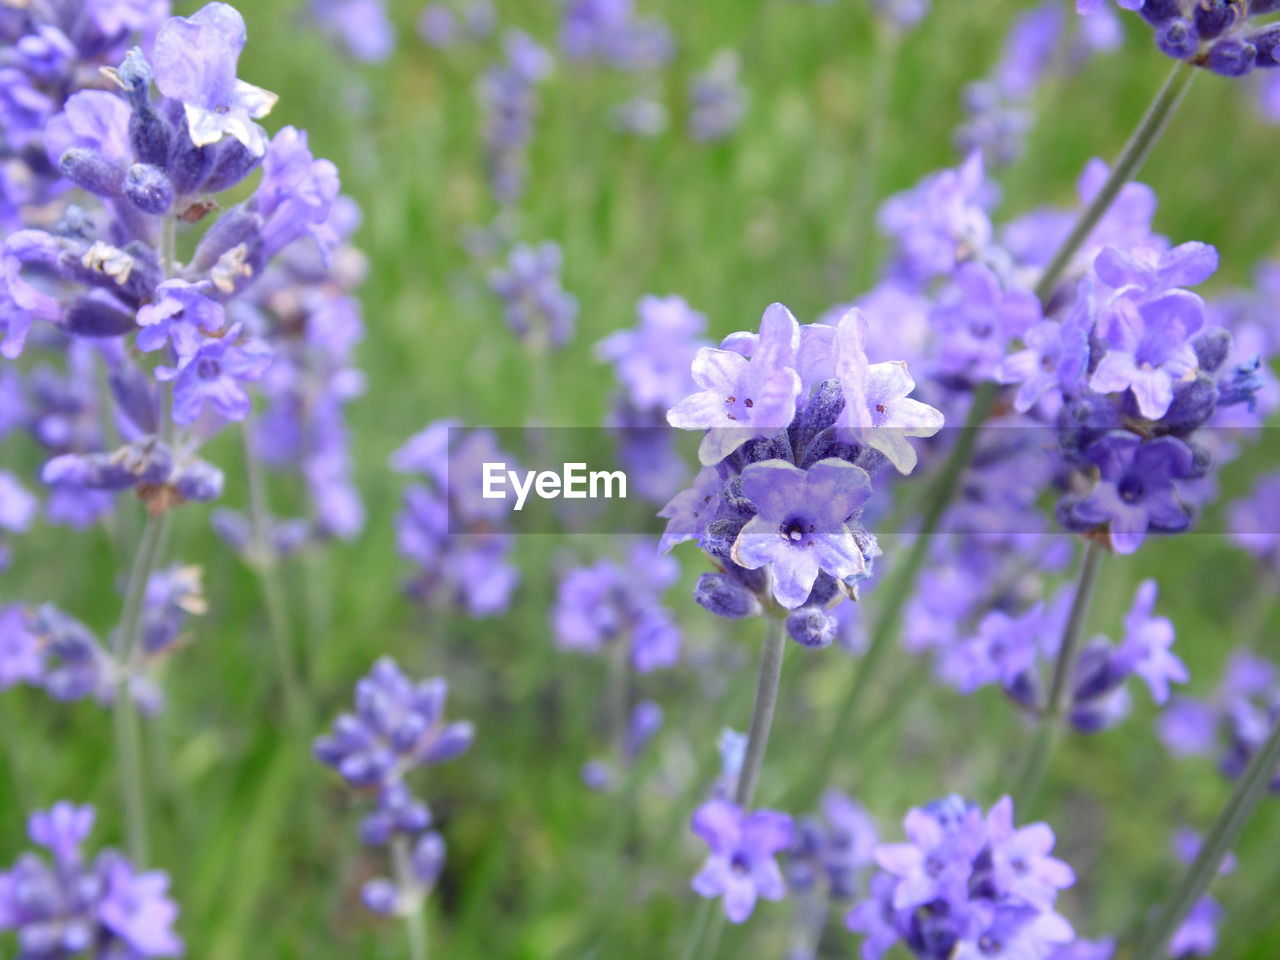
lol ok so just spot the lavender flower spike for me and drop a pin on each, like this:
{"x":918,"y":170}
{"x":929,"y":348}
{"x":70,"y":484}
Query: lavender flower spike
{"x":741,"y":867}
{"x":743,"y":396}
{"x":195,"y":62}
{"x":799,"y":528}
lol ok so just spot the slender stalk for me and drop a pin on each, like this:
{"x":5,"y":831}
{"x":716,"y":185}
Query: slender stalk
{"x":775,"y":643}
{"x":1222,"y":836}
{"x":125,"y":642}
{"x":1125,"y":169}
{"x":414,"y":919}
{"x":1049,"y":728}
{"x":884,"y":59}
{"x":901,"y":584}
{"x":708,"y":926}
{"x":262,"y":560}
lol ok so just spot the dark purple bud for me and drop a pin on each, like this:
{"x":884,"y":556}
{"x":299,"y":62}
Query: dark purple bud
{"x":825,"y":589}
{"x":1084,"y":421}
{"x":135,"y":395}
{"x":144,"y":461}
{"x":1267,"y":42}
{"x":376,"y":829}
{"x":819,"y":414}
{"x":1242,"y":385}
{"x":199,"y":481}
{"x":724,"y":596}
{"x":1232,"y":57}
{"x":1212,"y":347}
{"x":1024,"y":689}
{"x":94,"y":315}
{"x":236,"y":226}
{"x":1201,"y":462}
{"x":150,"y":136}
{"x":1177,"y":38}
{"x":1158,"y":11}
{"x":1097,"y":673}
{"x":189,"y":166}
{"x":91,"y":171}
{"x":381,"y":896}
{"x":232,"y":164}
{"x":1213,"y":17}
{"x":1258,"y":7}
{"x":1193,"y":404}
{"x":811,"y":627}
{"x":148,"y":189}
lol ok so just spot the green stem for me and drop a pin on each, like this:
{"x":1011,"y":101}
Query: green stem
{"x":1249,"y":792}
{"x":865,"y":186}
{"x":708,"y":925}
{"x":125,"y":722}
{"x":775,"y":641}
{"x":262,"y":560}
{"x":414,"y":919}
{"x":900,"y":586}
{"x":1049,"y":728}
{"x":1125,"y":169}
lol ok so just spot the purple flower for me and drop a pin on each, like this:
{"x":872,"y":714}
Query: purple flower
{"x":296,"y":195}
{"x":1003,"y":648}
{"x":1254,"y":522}
{"x":1020,"y":861}
{"x":1148,"y":348}
{"x":214,"y":376}
{"x":17,"y":505}
{"x":743,"y":397}
{"x":978,"y":318}
{"x":398,"y":725}
{"x":741,"y":866}
{"x":653,"y":359}
{"x":1054,"y":360}
{"x":195,"y":63}
{"x":1197,"y":936}
{"x":800,"y":524}
{"x":362,"y":27}
{"x":937,"y":860}
{"x":21,"y":660}
{"x":535,"y":305}
{"x":179,"y":315}
{"x":74,"y":905}
{"x":1136,"y":489}
{"x":877,"y":407}
{"x":1145,"y":649}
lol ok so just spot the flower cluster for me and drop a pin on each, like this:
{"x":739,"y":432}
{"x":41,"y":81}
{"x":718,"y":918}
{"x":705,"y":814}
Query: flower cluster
{"x":449,"y":530}
{"x":361,"y":28}
{"x":441,"y":25}
{"x":741,"y":867}
{"x":398,"y":726}
{"x":508,"y":96}
{"x":1218,"y":35}
{"x":825,"y":865}
{"x":717,"y":99}
{"x":965,"y":886}
{"x":1242,"y":712}
{"x":794,"y":419}
{"x":49,"y":649}
{"x":66,"y":905}
{"x":534,"y":305}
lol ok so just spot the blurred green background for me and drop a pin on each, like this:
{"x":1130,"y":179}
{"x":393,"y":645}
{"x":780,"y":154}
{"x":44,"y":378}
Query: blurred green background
{"x":261,"y":841}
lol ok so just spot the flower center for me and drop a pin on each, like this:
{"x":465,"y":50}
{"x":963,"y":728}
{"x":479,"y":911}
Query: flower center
{"x":1131,"y":489}
{"x":208,"y":369}
{"x":738,"y":409}
{"x":797,"y":531}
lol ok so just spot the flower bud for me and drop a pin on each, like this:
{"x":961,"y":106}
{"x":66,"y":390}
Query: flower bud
{"x":380,"y":896}
{"x":91,"y":171}
{"x":1158,"y":11}
{"x":1212,"y":347}
{"x":94,"y":316}
{"x":1267,"y":42}
{"x":234,"y":162}
{"x":811,"y":627}
{"x":1177,"y":38}
{"x":148,"y":189}
{"x":1232,"y":57}
{"x":1193,"y":404}
{"x":427,"y":859}
{"x":199,"y":481}
{"x":724,"y":596}
{"x":150,"y":135}
{"x":1213,"y":17}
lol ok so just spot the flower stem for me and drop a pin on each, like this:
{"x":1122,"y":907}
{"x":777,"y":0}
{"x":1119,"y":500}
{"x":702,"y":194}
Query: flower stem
{"x":262,"y":560}
{"x":1222,"y":836}
{"x":1049,"y":728}
{"x":775,"y":640}
{"x":1125,"y":169}
{"x":708,"y":928}
{"x":900,"y":585}
{"x":883,"y":61}
{"x":129,"y":759}
{"x":414,"y":920}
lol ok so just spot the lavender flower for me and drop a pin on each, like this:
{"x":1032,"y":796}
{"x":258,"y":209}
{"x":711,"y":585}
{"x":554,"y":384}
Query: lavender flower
{"x":741,"y":867}
{"x":535,"y":306}
{"x":718,"y":101}
{"x":21,"y":659}
{"x":195,"y":63}
{"x":66,"y":904}
{"x":1214,"y":34}
{"x":965,"y":886}
{"x":361,"y":27}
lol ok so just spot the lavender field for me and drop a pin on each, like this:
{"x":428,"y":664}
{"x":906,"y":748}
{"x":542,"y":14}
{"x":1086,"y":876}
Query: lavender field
{"x":595,"y":479}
